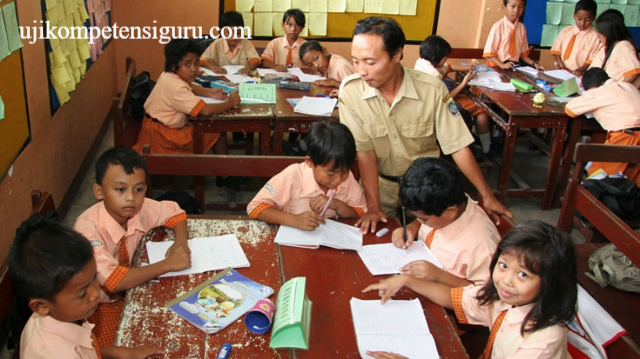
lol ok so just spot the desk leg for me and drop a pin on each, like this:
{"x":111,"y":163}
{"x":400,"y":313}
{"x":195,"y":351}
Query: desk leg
{"x":511,"y":131}
{"x":575,"y":127}
{"x":265,"y":140}
{"x":278,"y":133}
{"x":554,"y":167}
{"x":198,"y":148}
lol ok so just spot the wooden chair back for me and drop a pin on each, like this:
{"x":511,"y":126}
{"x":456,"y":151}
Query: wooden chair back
{"x":125,"y":129}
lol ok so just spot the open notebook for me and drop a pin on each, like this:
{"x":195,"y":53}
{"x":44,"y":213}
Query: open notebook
{"x":388,"y":259}
{"x":332,"y":234}
{"x":397,"y":326}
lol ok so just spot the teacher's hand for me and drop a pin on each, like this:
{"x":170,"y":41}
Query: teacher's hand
{"x":370,"y":220}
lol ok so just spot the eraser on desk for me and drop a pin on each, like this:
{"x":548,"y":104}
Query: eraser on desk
{"x":383,"y":232}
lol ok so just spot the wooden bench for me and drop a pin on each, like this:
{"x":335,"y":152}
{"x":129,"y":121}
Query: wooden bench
{"x":621,"y":305}
{"x":125,"y":128}
{"x":42,"y":202}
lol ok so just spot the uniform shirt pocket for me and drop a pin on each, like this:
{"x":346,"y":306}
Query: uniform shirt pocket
{"x":419,"y":137}
{"x":379,"y":135}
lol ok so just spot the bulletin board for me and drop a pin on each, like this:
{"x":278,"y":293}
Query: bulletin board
{"x":14,"y":128}
{"x":545,"y":19}
{"x":340,"y":25}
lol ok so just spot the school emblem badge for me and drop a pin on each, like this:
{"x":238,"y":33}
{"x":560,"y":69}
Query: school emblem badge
{"x":453,"y":108}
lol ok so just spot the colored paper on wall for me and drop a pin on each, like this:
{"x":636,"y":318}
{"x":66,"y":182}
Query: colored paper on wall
{"x":303,"y":5}
{"x":262,"y":24}
{"x":567,"y":14}
{"x":11,"y":25}
{"x":281,"y":5}
{"x":373,"y":6}
{"x":248,"y":21}
{"x":391,"y":7}
{"x":554,"y":13}
{"x":355,"y":5}
{"x":337,"y":6}
{"x":318,"y":5}
{"x":318,"y":23}
{"x":244,"y":6}
{"x":549,"y":34}
{"x":1,"y":108}
{"x":4,"y":42}
{"x":262,"y":6}
{"x":277,"y":24}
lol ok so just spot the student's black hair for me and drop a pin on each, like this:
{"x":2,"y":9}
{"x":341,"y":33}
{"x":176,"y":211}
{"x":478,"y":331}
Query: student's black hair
{"x":505,"y":2}
{"x":434,"y":48}
{"x":388,"y":29}
{"x":594,"y":77}
{"x":298,"y":16}
{"x":177,"y":49}
{"x":310,"y":45}
{"x":123,"y":156}
{"x":547,"y":252}
{"x":331,"y":142}
{"x":231,"y":19}
{"x":44,"y":256}
{"x":587,"y":5}
{"x":611,"y":24}
{"x":431,"y":185}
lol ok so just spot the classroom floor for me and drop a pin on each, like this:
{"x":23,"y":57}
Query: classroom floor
{"x":530,"y":165}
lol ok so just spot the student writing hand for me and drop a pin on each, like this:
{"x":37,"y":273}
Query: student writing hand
{"x":308,"y":221}
{"x":215,"y":92}
{"x":507,"y":65}
{"x":385,"y":355}
{"x":317,"y":203}
{"x":421,"y":269}
{"x":280,"y":68}
{"x":234,"y":98}
{"x":176,"y":245}
{"x":219,"y":70}
{"x":245,"y":70}
{"x":370,"y":220}
{"x":387,"y":288}
{"x":397,"y":237}
{"x":471,"y":74}
{"x":177,"y":260}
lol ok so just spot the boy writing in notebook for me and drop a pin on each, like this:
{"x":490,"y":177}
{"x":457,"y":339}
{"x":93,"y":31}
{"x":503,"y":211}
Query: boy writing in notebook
{"x":507,"y":42}
{"x":616,"y":106}
{"x":54,"y":269}
{"x":232,"y":51}
{"x":115,"y":226}
{"x":304,"y":194}
{"x":458,"y":232}
{"x":577,"y":44}
{"x":284,"y":52}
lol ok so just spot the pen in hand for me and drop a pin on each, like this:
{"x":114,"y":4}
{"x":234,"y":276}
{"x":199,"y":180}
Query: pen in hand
{"x":326,"y":206}
{"x":404,"y":226}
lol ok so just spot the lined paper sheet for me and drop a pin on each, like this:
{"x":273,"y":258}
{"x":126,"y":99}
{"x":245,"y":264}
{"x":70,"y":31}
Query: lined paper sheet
{"x":332,"y":234}
{"x":398,"y":326}
{"x":388,"y":259}
{"x":316,"y":106}
{"x":207,"y":254}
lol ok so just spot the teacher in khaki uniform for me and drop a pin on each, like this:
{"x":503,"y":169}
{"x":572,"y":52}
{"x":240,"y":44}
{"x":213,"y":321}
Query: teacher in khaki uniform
{"x":396,"y":115}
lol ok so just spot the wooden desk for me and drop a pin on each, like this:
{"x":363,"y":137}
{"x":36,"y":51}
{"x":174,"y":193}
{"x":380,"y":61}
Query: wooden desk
{"x":147,"y":322}
{"x":288,"y":121}
{"x":333,"y":277}
{"x":520,"y":112}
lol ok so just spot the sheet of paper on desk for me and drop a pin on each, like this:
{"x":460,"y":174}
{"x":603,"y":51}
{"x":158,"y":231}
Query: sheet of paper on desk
{"x":305,"y":77}
{"x":331,"y":234}
{"x":397,"y":326}
{"x":231,"y":69}
{"x":211,"y":99}
{"x":560,"y":74}
{"x":239,"y":79}
{"x":207,"y":254}
{"x":317,"y":106}
{"x":528,"y":70}
{"x":263,"y":71}
{"x":386,"y":258}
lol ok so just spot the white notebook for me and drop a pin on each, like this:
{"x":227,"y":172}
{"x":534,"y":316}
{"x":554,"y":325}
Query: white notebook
{"x":388,"y":259}
{"x":397,"y":326}
{"x":332,"y":234}
{"x":207,"y":254}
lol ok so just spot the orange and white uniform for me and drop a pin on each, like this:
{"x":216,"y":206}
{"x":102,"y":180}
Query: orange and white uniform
{"x":463,"y":100}
{"x":290,"y":191}
{"x":168,"y":130}
{"x":278,"y":49}
{"x":339,"y":68}
{"x":576,"y":47}
{"x":114,"y":247}
{"x":218,"y":53}
{"x":507,"y":41}
{"x":622,"y":62}
{"x":546,"y":343}
{"x":465,"y":246}
{"x":47,"y":338}
{"x":616,"y":106}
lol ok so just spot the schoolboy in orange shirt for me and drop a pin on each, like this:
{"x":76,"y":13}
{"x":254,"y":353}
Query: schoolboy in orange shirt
{"x":115,"y":226}
{"x":232,"y":51}
{"x":507,"y":42}
{"x":577,"y":44}
{"x":283,"y":52}
{"x":54,"y":269}
{"x":458,"y":232}
{"x":297,"y":196}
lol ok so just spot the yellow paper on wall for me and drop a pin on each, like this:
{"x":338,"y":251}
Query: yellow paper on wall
{"x":337,"y":6}
{"x":390,"y":7}
{"x":318,"y":23}
{"x":11,"y":25}
{"x":281,"y":5}
{"x":355,"y":5}
{"x":244,"y":6}
{"x":318,"y":5}
{"x":262,"y":6}
{"x":303,"y":5}
{"x":277,"y":24}
{"x":408,"y":7}
{"x":373,"y":6}
{"x":262,"y":24}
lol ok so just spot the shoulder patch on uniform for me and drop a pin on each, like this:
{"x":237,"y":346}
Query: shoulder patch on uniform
{"x":453,"y":109}
{"x":270,"y":188}
{"x":446,"y":98}
{"x":96,"y":243}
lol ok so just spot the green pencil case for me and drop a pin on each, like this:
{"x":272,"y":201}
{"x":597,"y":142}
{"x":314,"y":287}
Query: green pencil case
{"x":521,"y":85}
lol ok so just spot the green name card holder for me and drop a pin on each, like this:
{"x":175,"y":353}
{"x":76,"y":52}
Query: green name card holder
{"x":293,"y":316}
{"x":567,"y":88}
{"x":257,"y":93}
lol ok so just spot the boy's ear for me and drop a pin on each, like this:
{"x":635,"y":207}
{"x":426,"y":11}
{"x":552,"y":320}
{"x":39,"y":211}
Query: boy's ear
{"x":308,"y":162}
{"x":451,"y":212}
{"x":40,"y":306}
{"x":97,"y":191}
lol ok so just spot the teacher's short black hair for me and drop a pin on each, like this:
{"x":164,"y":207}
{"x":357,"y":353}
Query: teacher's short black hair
{"x":388,"y":29}
{"x":331,"y":142}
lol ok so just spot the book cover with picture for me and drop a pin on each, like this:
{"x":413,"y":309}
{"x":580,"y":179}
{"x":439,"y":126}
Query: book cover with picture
{"x":219,"y":301}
